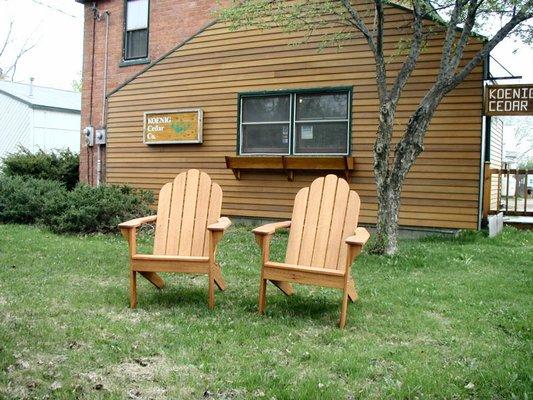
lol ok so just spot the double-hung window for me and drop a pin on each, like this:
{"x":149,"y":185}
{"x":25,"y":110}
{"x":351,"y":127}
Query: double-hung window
{"x":298,"y":123}
{"x":136,"y":29}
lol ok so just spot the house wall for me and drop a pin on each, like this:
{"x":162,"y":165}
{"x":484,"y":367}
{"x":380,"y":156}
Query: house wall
{"x":56,"y":130}
{"x":171,"y":21}
{"x":15,"y":125}
{"x":210,"y":70}
{"x":496,"y":159}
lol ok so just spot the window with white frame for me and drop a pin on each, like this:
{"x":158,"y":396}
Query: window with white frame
{"x":136,"y":29}
{"x":298,"y":123}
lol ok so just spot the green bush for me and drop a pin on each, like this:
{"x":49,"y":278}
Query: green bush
{"x":22,"y":200}
{"x":85,"y":209}
{"x":62,"y":166}
{"x":89,"y":209}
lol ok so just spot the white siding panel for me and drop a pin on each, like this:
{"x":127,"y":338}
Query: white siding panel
{"x":54,"y":130}
{"x":15,"y":125}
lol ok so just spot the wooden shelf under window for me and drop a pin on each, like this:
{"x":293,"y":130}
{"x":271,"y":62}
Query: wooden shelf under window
{"x":289,"y":164}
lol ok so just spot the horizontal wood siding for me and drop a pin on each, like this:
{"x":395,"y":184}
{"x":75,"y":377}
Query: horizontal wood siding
{"x":210,"y":70}
{"x":496,"y":158}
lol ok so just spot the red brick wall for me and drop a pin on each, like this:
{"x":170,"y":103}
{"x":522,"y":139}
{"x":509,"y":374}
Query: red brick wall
{"x":171,"y":22}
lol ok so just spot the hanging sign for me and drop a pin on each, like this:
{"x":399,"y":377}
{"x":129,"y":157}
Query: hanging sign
{"x":509,"y":99}
{"x":173,"y":126}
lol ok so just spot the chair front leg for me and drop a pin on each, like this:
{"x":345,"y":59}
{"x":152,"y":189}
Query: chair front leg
{"x":133,"y":289}
{"x":264,"y":242}
{"x":348,"y":288}
{"x":214,"y":269}
{"x":211,"y":288}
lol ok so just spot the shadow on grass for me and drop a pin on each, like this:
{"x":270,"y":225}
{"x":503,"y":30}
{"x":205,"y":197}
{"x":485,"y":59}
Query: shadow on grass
{"x":321,"y":307}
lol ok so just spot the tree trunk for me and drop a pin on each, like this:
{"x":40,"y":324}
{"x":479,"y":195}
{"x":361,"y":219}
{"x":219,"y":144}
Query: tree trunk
{"x":387,"y":223}
{"x":390,"y":178}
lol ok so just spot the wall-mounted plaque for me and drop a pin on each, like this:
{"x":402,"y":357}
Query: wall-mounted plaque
{"x":173,"y":126}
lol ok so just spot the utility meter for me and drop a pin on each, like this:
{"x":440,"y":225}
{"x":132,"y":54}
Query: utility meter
{"x":100,"y":137}
{"x":89,"y":136}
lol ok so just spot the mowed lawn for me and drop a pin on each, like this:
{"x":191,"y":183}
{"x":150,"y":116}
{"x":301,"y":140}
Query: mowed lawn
{"x":445,"y":318}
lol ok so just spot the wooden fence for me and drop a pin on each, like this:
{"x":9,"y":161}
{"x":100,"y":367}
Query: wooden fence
{"x":513,"y":194}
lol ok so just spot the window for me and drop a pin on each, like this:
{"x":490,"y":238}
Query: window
{"x":136,"y":30}
{"x":299,"y":123}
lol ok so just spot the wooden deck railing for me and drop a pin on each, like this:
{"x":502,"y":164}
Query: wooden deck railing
{"x":514,"y":194}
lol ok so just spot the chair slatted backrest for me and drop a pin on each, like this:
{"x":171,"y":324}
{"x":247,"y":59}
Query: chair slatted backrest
{"x":324,"y":215}
{"x":186,"y":207}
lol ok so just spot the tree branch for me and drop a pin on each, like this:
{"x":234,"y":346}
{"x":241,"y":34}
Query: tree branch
{"x":359,"y":23}
{"x":412,"y":58}
{"x":525,"y":13}
{"x":376,"y":46}
{"x":450,"y":37}
{"x":13,"y":66}
{"x":473,"y":6}
{"x":7,"y":38}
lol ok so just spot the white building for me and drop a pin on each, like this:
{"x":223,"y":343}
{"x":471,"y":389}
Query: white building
{"x":38,"y":118}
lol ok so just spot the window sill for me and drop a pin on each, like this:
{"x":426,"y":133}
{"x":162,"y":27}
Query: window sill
{"x":138,"y":61}
{"x":289,"y":164}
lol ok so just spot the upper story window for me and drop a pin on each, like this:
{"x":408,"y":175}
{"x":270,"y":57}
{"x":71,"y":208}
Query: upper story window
{"x":136,"y":29}
{"x":299,"y":123}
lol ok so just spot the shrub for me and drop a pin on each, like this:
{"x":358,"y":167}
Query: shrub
{"x":96,"y":209}
{"x":62,"y":166}
{"x":22,"y":200}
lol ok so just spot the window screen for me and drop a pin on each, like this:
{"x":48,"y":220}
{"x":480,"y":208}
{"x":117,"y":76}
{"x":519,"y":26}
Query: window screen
{"x":265,"y":124}
{"x":295,"y":123}
{"x":321,"y":123}
{"x":136,"y":36}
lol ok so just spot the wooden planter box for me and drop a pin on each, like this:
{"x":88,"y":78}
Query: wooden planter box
{"x":288,"y":164}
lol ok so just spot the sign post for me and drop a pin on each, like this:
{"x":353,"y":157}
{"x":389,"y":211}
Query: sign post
{"x":508,"y":100}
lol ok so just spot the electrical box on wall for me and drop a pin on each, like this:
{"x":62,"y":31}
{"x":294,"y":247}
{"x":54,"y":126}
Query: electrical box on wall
{"x":88,"y":132}
{"x":101,"y":136}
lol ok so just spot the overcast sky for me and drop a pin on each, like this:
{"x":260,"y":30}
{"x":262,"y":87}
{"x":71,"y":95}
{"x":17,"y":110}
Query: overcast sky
{"x":56,"y":29}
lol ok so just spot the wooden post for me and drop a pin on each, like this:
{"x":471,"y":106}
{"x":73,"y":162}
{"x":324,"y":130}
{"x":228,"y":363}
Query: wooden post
{"x":486,"y":190}
{"x":525,"y":191}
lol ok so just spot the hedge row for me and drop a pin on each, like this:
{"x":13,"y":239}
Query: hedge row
{"x":61,"y":166}
{"x":83,"y":209}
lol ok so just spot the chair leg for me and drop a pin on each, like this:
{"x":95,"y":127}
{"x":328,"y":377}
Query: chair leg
{"x":211,"y":289}
{"x":219,"y":280}
{"x":352,"y":292}
{"x":133,"y":289}
{"x":344,"y":308}
{"x":285,"y":287}
{"x":262,"y":295}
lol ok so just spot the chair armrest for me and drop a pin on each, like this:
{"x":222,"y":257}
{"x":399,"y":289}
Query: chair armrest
{"x":220,"y":226}
{"x":360,"y":237}
{"x":269,"y":229}
{"x":135,"y":223}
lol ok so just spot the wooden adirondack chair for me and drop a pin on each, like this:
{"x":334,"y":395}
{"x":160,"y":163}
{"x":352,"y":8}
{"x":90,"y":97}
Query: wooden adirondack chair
{"x":188,"y":229}
{"x":323,"y":242}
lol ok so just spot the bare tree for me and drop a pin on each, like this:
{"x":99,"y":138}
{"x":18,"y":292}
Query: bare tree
{"x":8,"y":69}
{"x":391,"y":165}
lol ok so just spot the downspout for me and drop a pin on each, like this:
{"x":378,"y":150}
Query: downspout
{"x":87,"y":148}
{"x":104,"y":101}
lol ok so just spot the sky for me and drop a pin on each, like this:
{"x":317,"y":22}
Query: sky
{"x":55,"y":27}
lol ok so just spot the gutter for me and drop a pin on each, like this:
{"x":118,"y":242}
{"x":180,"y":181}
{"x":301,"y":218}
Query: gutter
{"x":41,"y":106}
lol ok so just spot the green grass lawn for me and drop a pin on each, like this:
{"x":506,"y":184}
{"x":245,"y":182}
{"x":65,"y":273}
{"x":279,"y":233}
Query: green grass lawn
{"x":445,"y":318}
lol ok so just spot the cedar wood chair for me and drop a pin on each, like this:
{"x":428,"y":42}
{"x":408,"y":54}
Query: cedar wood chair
{"x":323,"y":242}
{"x":188,"y":229}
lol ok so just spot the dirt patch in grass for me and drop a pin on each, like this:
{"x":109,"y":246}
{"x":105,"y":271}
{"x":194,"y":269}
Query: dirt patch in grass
{"x":144,"y":378}
{"x":29,"y":371}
